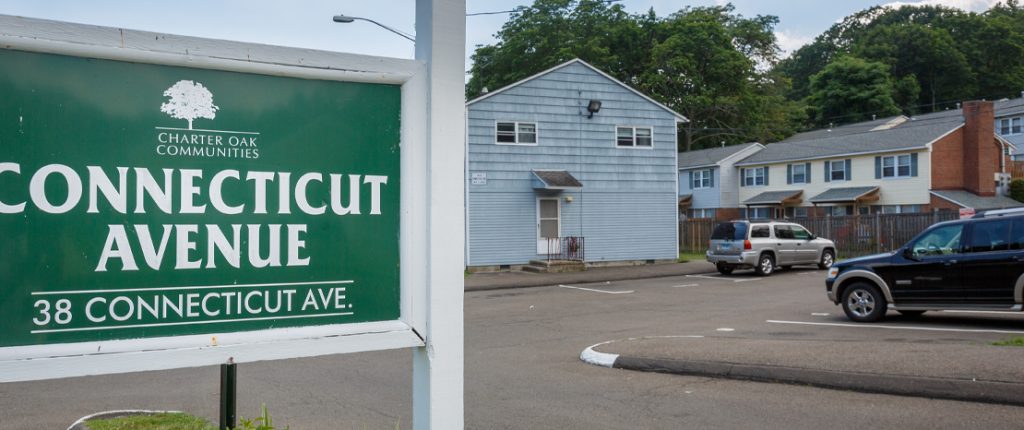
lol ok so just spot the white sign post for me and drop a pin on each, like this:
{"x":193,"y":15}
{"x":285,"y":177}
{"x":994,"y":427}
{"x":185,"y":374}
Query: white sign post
{"x":438,"y":366}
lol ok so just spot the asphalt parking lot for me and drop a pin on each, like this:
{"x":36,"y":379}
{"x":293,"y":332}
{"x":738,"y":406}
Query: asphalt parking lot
{"x":522,"y":366}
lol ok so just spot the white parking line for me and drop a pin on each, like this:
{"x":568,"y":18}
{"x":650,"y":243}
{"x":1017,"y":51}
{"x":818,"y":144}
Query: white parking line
{"x":723,"y":278}
{"x":597,"y":291}
{"x":890,"y":327}
{"x":685,"y":285}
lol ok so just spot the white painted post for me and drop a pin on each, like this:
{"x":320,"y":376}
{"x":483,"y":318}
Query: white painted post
{"x":438,"y":366}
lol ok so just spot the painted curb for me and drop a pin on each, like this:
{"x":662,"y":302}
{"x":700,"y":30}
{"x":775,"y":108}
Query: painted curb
{"x":602,"y":359}
{"x":605,"y":359}
{"x":80,"y":424}
{"x":995,"y":392}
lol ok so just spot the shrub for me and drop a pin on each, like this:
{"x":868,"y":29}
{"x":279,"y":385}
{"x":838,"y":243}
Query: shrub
{"x":1017,"y":190}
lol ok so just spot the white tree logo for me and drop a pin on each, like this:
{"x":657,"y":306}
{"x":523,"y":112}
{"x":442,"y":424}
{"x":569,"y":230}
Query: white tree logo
{"x":188,"y":101}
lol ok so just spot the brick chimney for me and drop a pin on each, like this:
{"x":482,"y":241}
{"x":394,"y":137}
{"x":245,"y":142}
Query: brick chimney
{"x":981,"y":154}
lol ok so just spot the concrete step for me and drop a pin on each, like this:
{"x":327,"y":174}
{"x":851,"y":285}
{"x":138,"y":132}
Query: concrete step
{"x":554,"y":266}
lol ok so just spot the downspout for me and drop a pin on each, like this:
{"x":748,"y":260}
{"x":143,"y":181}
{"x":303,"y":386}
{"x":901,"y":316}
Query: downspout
{"x":579,"y":163}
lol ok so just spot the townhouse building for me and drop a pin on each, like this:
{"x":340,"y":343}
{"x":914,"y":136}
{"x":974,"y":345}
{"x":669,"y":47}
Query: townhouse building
{"x":707,"y":181}
{"x":945,"y":160}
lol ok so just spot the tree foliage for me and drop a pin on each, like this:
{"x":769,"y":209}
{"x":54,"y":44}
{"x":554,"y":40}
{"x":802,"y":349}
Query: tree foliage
{"x":850,"y":84}
{"x":710,"y":64}
{"x":936,"y":56}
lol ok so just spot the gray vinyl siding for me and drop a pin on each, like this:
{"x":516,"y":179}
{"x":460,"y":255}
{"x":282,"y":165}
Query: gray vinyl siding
{"x":703,"y":198}
{"x":626,"y":209}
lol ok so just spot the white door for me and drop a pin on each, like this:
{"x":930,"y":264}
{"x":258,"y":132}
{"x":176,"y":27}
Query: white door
{"x":549,"y":225}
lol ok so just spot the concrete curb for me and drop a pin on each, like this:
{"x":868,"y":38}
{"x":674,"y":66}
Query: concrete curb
{"x":548,"y":280}
{"x":934,"y":388}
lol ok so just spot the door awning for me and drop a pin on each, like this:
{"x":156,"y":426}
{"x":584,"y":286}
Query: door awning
{"x":847,"y":195}
{"x":555,"y":180}
{"x":685,"y":200}
{"x":775,"y":198}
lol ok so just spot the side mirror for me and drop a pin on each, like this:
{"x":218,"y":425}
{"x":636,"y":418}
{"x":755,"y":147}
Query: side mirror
{"x":908,"y":253}
{"x":811,"y":237}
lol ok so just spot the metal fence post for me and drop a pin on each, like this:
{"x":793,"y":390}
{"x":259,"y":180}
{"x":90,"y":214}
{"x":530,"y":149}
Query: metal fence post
{"x":228,"y":394}
{"x":878,"y":232}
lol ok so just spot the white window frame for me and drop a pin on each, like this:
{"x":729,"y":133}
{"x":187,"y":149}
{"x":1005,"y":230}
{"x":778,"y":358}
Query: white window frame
{"x":897,"y":162}
{"x":752,"y":174}
{"x":1011,"y":123}
{"x":702,"y":213}
{"x":517,"y":133}
{"x":633,"y":140}
{"x":752,"y":212}
{"x":832,"y":171}
{"x":803,"y":168}
{"x":701,"y":179}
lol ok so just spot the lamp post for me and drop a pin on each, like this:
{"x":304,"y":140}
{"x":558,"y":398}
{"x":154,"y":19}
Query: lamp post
{"x":347,"y":19}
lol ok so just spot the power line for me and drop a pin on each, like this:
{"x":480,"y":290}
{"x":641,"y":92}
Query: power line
{"x":499,"y":12}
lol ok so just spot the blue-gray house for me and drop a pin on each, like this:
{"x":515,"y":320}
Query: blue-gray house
{"x":570,"y":164}
{"x":709,"y":183}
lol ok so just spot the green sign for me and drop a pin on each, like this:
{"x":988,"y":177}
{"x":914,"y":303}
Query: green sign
{"x":141,"y":201}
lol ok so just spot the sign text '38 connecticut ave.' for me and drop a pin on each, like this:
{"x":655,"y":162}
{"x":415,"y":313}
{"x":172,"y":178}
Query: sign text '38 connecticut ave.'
{"x":143,"y":201}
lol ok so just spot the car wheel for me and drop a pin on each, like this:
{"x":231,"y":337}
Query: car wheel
{"x":724,"y":269}
{"x":863,"y":302}
{"x":765,"y":265}
{"x":911,"y":314}
{"x":828,"y":258}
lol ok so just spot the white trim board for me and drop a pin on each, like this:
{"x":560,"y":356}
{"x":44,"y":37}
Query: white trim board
{"x":37,"y":362}
{"x":678,"y":115}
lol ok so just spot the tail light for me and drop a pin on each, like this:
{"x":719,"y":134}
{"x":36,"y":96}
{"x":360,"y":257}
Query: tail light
{"x":747,"y":246}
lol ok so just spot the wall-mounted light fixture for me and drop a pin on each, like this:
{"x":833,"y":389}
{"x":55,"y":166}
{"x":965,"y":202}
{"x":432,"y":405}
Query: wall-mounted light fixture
{"x":568,"y":199}
{"x":593,"y":107}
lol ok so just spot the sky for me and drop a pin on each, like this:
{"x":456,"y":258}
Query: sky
{"x":308,"y":23}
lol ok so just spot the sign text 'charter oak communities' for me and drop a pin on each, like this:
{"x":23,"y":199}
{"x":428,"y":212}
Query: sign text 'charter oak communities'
{"x":142,"y":200}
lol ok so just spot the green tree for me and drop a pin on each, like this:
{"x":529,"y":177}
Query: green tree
{"x":551,"y":32}
{"x":851,"y":89}
{"x":925,"y":52}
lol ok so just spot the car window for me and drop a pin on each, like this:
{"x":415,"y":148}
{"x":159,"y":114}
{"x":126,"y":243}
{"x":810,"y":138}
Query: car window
{"x":760,"y":231}
{"x":1017,"y":233}
{"x":988,"y":236}
{"x":939,"y":241}
{"x":799,"y":232}
{"x":730,"y":231}
{"x":783,"y":232}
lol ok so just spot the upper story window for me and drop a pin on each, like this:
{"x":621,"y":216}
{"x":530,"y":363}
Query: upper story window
{"x":634,"y":137}
{"x":896,"y":166}
{"x":516,"y":133}
{"x":838,"y":170}
{"x":755,"y":177}
{"x":799,"y":173}
{"x":702,"y":179}
{"x":1010,"y":126}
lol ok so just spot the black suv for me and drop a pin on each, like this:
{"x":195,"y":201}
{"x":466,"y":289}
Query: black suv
{"x":970,"y":264}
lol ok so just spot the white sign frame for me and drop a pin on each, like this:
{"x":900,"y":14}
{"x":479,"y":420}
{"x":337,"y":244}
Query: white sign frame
{"x":26,"y":363}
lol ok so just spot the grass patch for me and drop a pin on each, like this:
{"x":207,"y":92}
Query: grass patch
{"x":686,"y":256}
{"x":175,"y":421}
{"x":1015,"y":341}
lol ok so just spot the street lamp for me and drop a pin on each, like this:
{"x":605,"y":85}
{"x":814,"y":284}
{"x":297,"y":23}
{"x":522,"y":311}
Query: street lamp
{"x":347,"y":19}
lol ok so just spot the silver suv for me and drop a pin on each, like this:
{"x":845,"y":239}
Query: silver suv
{"x":765,"y":246}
